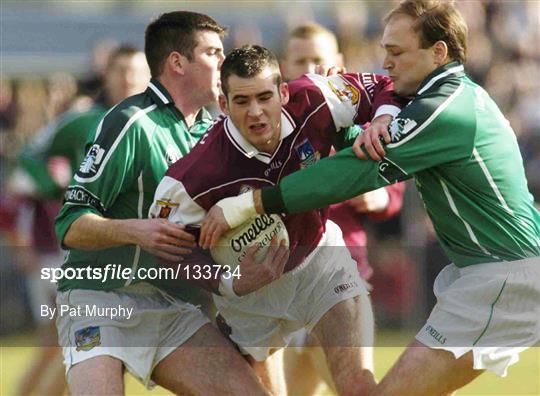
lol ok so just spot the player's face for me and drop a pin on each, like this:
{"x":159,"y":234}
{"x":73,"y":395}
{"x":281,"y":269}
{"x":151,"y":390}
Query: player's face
{"x":204,"y":69}
{"x":254,"y":106}
{"x":128,"y":75}
{"x":407,"y":64}
{"x":304,"y":54}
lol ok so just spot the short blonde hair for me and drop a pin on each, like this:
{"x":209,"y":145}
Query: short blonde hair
{"x":312,"y":29}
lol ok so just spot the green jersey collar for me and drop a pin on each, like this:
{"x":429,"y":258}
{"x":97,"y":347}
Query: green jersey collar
{"x":455,"y":69}
{"x":161,"y":97}
{"x":158,"y":93}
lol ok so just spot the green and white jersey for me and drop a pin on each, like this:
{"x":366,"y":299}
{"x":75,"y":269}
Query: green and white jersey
{"x":65,"y":137}
{"x":135,"y":143}
{"x":464,"y":157}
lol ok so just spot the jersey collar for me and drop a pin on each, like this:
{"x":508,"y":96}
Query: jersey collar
{"x":454,"y":69}
{"x":158,"y":93}
{"x":246,"y":148}
{"x":161,"y":97}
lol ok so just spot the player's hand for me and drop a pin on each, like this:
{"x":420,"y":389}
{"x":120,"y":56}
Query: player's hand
{"x":256,"y":274}
{"x":372,"y":201}
{"x":328,"y":71}
{"x":162,"y":238}
{"x":370,"y":138}
{"x":213,"y":227}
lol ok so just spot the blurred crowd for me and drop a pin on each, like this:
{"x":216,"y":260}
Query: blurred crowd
{"x":503,"y":56}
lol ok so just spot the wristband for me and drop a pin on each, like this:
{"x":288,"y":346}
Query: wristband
{"x":237,"y":210}
{"x":225,"y":287}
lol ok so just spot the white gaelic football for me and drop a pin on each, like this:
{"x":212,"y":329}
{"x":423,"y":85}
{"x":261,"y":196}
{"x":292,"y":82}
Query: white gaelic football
{"x":231,"y":248}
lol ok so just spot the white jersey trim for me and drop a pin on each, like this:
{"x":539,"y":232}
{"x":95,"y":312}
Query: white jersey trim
{"x":232,"y":182}
{"x":467,"y":225}
{"x":246,"y":148}
{"x":100,"y":125}
{"x":492,"y":184}
{"x":426,"y":123}
{"x":452,"y":70}
{"x":137,"y":254}
{"x":130,"y":122}
{"x":158,"y":93}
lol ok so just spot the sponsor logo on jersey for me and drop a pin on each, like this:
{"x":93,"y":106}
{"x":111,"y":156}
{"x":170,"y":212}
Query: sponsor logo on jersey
{"x":400,"y":127}
{"x":390,"y":171}
{"x":308,"y":155}
{"x":165,"y":207}
{"x":172,"y":154}
{"x":345,"y":92}
{"x":273,"y":165}
{"x":440,"y":338}
{"x":80,"y":196}
{"x":92,"y":161}
{"x":344,"y":286}
{"x":87,"y":338}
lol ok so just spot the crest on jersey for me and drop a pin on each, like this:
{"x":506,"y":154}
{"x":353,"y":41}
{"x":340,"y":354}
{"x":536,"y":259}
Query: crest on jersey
{"x":345,"y":92}
{"x":87,"y":338}
{"x":92,"y":161}
{"x":308,"y":155}
{"x":165,"y":207}
{"x":172,"y":154}
{"x":400,"y":127}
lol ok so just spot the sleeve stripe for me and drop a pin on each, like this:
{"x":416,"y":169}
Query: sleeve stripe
{"x":426,"y":123}
{"x":130,"y":122}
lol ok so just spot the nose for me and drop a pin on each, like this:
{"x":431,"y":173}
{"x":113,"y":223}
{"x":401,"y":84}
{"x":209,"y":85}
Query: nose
{"x":254,"y":109}
{"x":221,"y":59}
{"x":387,"y":64}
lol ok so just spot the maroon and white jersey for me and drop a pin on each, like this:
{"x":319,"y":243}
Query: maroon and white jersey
{"x":224,"y":163}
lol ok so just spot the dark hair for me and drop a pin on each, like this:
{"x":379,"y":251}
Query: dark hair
{"x":436,"y":20}
{"x":175,"y":31}
{"x":246,"y":62}
{"x":122,"y":50}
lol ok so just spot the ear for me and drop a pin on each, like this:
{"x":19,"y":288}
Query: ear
{"x":223,"y":105}
{"x":176,"y":62}
{"x":440,"y":53}
{"x":284,"y":93}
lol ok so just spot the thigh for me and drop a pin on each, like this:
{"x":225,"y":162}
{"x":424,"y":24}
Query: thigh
{"x":207,"y":364}
{"x":346,"y":334}
{"x":100,"y":375}
{"x":424,"y":371}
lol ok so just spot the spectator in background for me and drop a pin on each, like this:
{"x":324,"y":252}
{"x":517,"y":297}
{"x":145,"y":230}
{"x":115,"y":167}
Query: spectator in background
{"x":306,"y":47}
{"x":45,"y":167}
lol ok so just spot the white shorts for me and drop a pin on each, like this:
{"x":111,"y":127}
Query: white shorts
{"x":492,"y":309}
{"x":267,"y":318}
{"x":158,"y":325}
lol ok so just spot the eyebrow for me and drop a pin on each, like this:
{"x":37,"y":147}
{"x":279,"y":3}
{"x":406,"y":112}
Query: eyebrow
{"x":389,"y":45}
{"x":257,"y":95}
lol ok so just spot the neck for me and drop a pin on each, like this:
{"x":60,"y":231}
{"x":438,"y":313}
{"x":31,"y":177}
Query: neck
{"x":183,"y":97}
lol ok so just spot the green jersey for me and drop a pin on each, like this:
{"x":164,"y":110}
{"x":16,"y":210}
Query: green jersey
{"x":135,"y":143}
{"x":464,"y":157}
{"x":65,"y":137}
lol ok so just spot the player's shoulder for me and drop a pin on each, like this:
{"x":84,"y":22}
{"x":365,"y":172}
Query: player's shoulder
{"x":205,"y":161}
{"x":430,"y":107}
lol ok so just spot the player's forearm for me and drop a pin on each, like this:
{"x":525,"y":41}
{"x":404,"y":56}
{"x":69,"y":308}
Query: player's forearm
{"x":330,"y":181}
{"x":91,"y":231}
